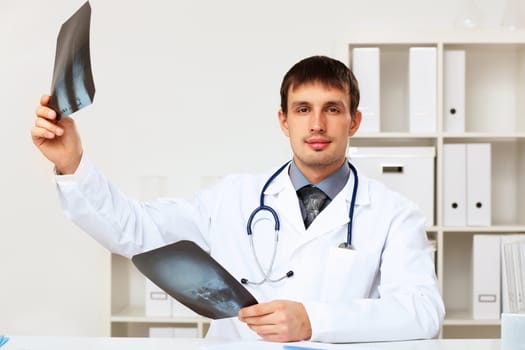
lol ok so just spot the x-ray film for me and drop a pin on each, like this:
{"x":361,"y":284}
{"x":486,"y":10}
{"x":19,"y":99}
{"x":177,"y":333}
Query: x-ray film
{"x":72,"y":86}
{"x":194,"y":278}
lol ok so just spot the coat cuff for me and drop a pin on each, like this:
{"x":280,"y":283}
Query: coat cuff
{"x":84,"y":169}
{"x":320,"y":320}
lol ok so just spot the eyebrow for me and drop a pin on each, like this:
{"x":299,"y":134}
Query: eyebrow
{"x":338,"y":102}
{"x":299,"y":103}
{"x":302,"y":103}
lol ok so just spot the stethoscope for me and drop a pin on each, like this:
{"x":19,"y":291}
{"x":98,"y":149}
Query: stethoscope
{"x":262,"y":207}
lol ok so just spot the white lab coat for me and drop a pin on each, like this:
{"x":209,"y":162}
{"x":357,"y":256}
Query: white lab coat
{"x":385,"y":289}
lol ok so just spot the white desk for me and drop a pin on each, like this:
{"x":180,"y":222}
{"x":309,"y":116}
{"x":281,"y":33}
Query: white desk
{"x":80,"y":343}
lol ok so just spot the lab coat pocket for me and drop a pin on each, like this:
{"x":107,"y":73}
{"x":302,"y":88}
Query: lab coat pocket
{"x":342,"y":275}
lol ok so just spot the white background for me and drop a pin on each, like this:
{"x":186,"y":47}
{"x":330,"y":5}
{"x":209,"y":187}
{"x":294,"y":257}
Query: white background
{"x":185,"y":89}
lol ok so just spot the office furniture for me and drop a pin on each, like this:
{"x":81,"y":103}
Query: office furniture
{"x":494,"y":109}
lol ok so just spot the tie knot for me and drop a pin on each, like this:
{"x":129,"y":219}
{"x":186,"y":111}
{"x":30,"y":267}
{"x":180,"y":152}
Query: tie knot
{"x":313,"y":200}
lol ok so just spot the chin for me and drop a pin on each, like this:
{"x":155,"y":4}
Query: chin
{"x":319,"y":162}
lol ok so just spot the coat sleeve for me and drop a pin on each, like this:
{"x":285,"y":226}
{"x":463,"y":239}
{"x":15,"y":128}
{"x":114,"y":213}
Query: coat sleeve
{"x":123,"y":225}
{"x":409,"y":305}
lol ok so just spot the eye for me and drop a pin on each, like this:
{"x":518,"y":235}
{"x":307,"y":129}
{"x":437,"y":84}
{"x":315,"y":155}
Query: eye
{"x":303,"y":109}
{"x":332,"y":109}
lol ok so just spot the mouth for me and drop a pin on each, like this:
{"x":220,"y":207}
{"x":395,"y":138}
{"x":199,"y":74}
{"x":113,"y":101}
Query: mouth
{"x":317,"y":144}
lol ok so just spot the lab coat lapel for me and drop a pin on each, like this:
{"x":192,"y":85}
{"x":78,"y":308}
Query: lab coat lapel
{"x":281,"y":195}
{"x":336,"y":214}
{"x":333,"y":216}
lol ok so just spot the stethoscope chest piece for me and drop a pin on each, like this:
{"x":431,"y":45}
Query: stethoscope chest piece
{"x":345,"y":245}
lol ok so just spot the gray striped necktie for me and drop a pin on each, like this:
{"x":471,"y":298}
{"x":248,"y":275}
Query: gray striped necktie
{"x":313,"y":199}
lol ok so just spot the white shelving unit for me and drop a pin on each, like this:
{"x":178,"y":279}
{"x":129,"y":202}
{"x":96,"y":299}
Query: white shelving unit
{"x":495,"y":114}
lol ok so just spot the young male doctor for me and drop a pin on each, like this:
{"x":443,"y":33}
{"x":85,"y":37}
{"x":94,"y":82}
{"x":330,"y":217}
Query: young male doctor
{"x":331,"y":279}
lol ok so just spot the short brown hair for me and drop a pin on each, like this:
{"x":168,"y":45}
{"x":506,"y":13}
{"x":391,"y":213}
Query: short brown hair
{"x":324,"y":70}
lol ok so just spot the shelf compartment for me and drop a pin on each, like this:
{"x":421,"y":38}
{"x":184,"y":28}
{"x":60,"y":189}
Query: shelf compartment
{"x":507,"y":178}
{"x":495,"y":84}
{"x":457,"y":274}
{"x":393,"y":83}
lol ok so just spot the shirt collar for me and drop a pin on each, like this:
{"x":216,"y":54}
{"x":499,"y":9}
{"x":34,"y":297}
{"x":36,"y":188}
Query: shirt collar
{"x":331,"y":186}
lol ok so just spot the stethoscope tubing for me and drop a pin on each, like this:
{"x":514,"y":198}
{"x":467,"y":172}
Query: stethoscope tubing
{"x":277,"y":226}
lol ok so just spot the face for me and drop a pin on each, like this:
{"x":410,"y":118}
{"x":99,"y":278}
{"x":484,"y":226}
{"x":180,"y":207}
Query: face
{"x":318,"y":124}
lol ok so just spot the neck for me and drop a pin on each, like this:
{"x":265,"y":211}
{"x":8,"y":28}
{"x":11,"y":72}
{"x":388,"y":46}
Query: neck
{"x":317,"y":173}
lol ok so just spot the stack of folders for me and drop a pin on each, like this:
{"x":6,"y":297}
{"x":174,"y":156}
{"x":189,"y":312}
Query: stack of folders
{"x":421,"y":85}
{"x":498,"y":275}
{"x":513,"y":275}
{"x":467,"y":184}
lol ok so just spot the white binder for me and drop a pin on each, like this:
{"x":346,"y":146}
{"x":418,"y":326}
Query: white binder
{"x":479,"y":184}
{"x":422,"y":93}
{"x":486,"y":269}
{"x":454,"y":91}
{"x":512,"y":296}
{"x":365,"y":65}
{"x":454,"y":185}
{"x":521,"y":269}
{"x":519,"y":273}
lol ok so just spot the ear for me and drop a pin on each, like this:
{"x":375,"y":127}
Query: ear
{"x":283,"y":122}
{"x":354,"y":125}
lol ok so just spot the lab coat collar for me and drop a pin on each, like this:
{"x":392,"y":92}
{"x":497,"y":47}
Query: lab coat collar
{"x":363,"y":195}
{"x":330,"y":219}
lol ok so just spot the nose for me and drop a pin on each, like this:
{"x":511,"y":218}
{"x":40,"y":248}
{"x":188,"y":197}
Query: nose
{"x":318,"y":122}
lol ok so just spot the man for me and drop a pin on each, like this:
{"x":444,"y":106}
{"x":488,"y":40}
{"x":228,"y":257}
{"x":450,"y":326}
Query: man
{"x":382,"y":287}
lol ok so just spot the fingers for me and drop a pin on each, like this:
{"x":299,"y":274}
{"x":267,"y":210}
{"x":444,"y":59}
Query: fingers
{"x":268,"y":332}
{"x":44,"y":100}
{"x":256,"y":310}
{"x":43,"y":111}
{"x":263,"y":325}
{"x":45,"y":122}
{"x":274,"y":331}
{"x":43,"y":128}
{"x":261,"y":318}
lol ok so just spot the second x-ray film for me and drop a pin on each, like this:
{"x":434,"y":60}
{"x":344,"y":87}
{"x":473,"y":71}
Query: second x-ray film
{"x":194,"y":278}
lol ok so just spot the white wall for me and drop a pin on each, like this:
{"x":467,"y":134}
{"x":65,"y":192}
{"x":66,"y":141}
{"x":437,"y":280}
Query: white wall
{"x":186,"y":89}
